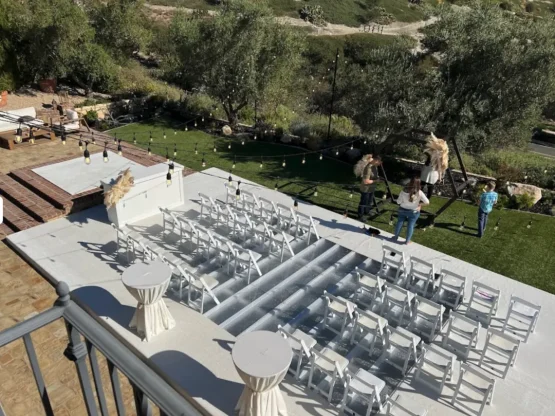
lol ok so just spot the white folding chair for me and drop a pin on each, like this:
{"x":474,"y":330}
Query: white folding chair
{"x":427,"y":317}
{"x":251,"y":204}
{"x":287,"y":219}
{"x":268,"y":211}
{"x":230,"y":194}
{"x":483,"y":302}
{"x":122,"y":242}
{"x":329,"y":363}
{"x":502,"y":345}
{"x":337,"y":308}
{"x":393,"y":267}
{"x":301,"y":344}
{"x":210,"y":210}
{"x":461,"y":335}
{"x":421,"y":277}
{"x":305,"y":227}
{"x":398,"y":406}
{"x":184,"y":277}
{"x":476,"y":381}
{"x":450,"y":291}
{"x":244,"y":260}
{"x":205,"y":240}
{"x":187,"y":232}
{"x":202,"y":285}
{"x":371,"y":285}
{"x":405,"y":343}
{"x":368,"y":324}
{"x":435,"y":363}
{"x":525,"y":314}
{"x":397,"y":298}
{"x":361,"y":386}
{"x":278,"y":241}
{"x":169,"y":221}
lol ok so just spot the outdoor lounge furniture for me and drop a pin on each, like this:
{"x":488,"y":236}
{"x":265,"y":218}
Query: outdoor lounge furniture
{"x":435,"y":363}
{"x":450,"y":290}
{"x":393,"y":267}
{"x":405,"y":343}
{"x":369,"y":284}
{"x":397,"y":298}
{"x":525,"y":314}
{"x":421,"y":276}
{"x":426,"y":314}
{"x":461,"y":335}
{"x":368,"y":324}
{"x":398,"y":406}
{"x":331,"y":364}
{"x":483,"y":302}
{"x":502,"y":345}
{"x":476,"y":381}
{"x":24,"y":118}
{"x":301,"y":345}
{"x":362,"y":386}
{"x":337,"y":308}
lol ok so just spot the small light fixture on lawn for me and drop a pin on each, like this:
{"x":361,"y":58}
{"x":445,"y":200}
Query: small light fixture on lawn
{"x":195,"y":123}
{"x":186,"y":128}
{"x":115,"y":138}
{"x":175,"y":132}
{"x":243,"y":142}
{"x":19,"y":134}
{"x":351,"y":194}
{"x":304,"y":160}
{"x":391,"y":219}
{"x":254,"y":137}
{"x":276,"y":186}
{"x":120,"y":150}
{"x":234,"y":162}
{"x":336,"y":152}
{"x":150,"y":138}
{"x":438,"y":193}
{"x":169,"y":178}
{"x":203,"y":161}
{"x":529,"y":224}
{"x":172,"y":167}
{"x":463,"y":224}
{"x":283,"y":164}
{"x":80,"y":142}
{"x":196,"y":148}
{"x":86,"y":154}
{"x":229,"y":145}
{"x":31,"y":136}
{"x":321,"y":156}
{"x":164,"y":134}
{"x":215,"y":148}
{"x":149,"y":151}
{"x":497,"y":225}
{"x":261,"y":162}
{"x":315,"y":192}
{"x":175,"y":150}
{"x":105,"y":153}
{"x":351,"y":146}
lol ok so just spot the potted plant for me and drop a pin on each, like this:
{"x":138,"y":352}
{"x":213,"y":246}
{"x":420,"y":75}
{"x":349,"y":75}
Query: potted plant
{"x":6,"y":84}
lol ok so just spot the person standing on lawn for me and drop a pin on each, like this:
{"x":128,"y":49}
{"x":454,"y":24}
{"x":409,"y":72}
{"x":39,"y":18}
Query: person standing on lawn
{"x":367,"y":170}
{"x":487,"y":200}
{"x":411,"y":200}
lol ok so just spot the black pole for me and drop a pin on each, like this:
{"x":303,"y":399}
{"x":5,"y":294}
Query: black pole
{"x":333,"y":92}
{"x":255,"y":111}
{"x":459,"y":157}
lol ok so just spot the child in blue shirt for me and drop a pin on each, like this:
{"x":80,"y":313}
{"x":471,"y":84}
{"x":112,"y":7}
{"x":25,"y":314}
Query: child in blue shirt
{"x":487,"y":200}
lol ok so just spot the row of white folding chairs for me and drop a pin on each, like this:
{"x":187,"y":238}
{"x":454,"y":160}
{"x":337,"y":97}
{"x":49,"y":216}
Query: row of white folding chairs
{"x":484,"y":299}
{"x":360,"y":384}
{"x":243,"y":226}
{"x":206,"y":241}
{"x":297,"y":224}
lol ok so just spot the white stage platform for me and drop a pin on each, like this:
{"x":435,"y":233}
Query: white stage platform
{"x":196,"y":354}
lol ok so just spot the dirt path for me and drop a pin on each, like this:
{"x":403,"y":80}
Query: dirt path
{"x":394,"y":29}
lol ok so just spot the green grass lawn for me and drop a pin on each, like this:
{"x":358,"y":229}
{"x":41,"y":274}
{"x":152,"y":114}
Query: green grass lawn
{"x":513,"y":250}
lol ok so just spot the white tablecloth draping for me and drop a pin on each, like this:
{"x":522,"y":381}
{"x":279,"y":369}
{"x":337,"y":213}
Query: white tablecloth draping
{"x":147,"y":283}
{"x":261,"y":359}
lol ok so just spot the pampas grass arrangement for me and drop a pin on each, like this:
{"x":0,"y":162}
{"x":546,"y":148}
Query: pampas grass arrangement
{"x":124,"y":183}
{"x":439,"y":154}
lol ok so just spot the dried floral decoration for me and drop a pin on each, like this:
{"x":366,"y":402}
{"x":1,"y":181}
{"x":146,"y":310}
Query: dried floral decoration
{"x":123,"y":185}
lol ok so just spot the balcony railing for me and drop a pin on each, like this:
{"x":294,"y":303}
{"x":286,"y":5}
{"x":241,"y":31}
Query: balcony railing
{"x":86,"y":337}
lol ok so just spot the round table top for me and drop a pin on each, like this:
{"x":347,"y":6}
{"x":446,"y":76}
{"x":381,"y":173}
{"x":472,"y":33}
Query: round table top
{"x":146,"y":275}
{"x":262,"y":354}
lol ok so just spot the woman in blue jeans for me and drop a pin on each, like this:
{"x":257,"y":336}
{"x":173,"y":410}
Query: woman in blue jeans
{"x":411,"y":200}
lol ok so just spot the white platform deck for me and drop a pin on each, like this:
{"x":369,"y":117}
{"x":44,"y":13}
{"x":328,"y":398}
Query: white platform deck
{"x":196,"y":354}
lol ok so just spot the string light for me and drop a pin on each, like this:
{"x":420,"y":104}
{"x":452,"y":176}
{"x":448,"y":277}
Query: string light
{"x":169,"y":178}
{"x":186,"y":128}
{"x":243,"y":142}
{"x":351,"y":194}
{"x":86,"y":154}
{"x":105,"y":153}
{"x":261,"y":162}
{"x":174,"y":132}
{"x":120,"y":150}
{"x":276,"y":186}
{"x":93,"y":141}
{"x":283,"y":164}
{"x":167,"y":156}
{"x":202,"y":119}
{"x":315,"y":192}
{"x":304,"y":160}
{"x":196,"y":149}
{"x":18,"y":134}
{"x":229,"y":179}
{"x":391,"y":219}
{"x":203,"y":161}
{"x":229,"y":146}
{"x":234,"y":162}
{"x":529,"y":224}
{"x":149,"y":151}
{"x":134,"y":138}
{"x":195,"y":123}
{"x":238,"y":192}
{"x":63,"y":138}
{"x":31,"y":136}
{"x":351,"y":146}
{"x":296,"y":203}
{"x":254,"y":137}
{"x":115,"y":138}
{"x":172,"y":167}
{"x":463,"y":223}
{"x":151,"y":139}
{"x":80,"y":142}
{"x":215,"y":149}
{"x":175,"y":150}
{"x":336,"y":152}
{"x":321,"y":156}
{"x":164,"y":134}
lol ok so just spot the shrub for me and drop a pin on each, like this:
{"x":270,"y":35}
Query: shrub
{"x":7,"y":82}
{"x":91,"y":117}
{"x":503,"y":201}
{"x":313,"y":14}
{"x":300,"y":128}
{"x":523,"y":201}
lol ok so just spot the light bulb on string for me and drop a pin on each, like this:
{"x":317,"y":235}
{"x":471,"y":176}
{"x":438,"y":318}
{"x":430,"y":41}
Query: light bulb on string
{"x":529,"y":224}
{"x":315,"y":192}
{"x":175,"y":150}
{"x":167,"y":156}
{"x":304,"y":160}
{"x":186,"y":128}
{"x":202,"y":120}
{"x":203,"y":161}
{"x":105,"y":153}
{"x":196,"y":148}
{"x":169,"y":178}
{"x":195,"y":123}
{"x":19,"y":134}
{"x":351,"y":194}
{"x":172,"y":167}
{"x":384,"y":196}
{"x":31,"y":136}
{"x":243,"y":142}
{"x":229,"y":146}
{"x":365,"y":141}
{"x":234,"y":162}
{"x":321,"y":156}
{"x":120,"y":150}
{"x":261,"y":162}
{"x":391,"y":219}
{"x":63,"y":138}
{"x":86,"y":154}
{"x":93,"y":141}
{"x":164,"y":134}
{"x":230,"y":179}
{"x":215,"y":148}
{"x":115,"y":138}
{"x":254,"y":137}
{"x":351,"y":146}
{"x":283,"y":164}
{"x":81,"y":142}
{"x":151,"y":139}
{"x":336,"y":152}
{"x":174,"y":132}
{"x":296,"y":203}
{"x":149,"y":151}
{"x":134,"y":139}
{"x":276,"y":186}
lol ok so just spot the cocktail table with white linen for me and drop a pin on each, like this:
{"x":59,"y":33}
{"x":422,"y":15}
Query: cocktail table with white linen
{"x":261,"y":359}
{"x":147,"y":283}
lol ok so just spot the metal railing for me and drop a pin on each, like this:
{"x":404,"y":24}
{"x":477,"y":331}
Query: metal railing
{"x":86,"y":336}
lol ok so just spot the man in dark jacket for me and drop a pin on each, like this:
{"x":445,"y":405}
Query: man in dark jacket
{"x":367,"y":169}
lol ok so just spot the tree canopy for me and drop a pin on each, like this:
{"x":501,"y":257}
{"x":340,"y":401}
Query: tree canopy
{"x":237,"y":56}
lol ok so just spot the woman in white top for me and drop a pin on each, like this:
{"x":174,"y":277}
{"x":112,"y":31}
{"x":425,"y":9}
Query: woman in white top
{"x":411,"y":199}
